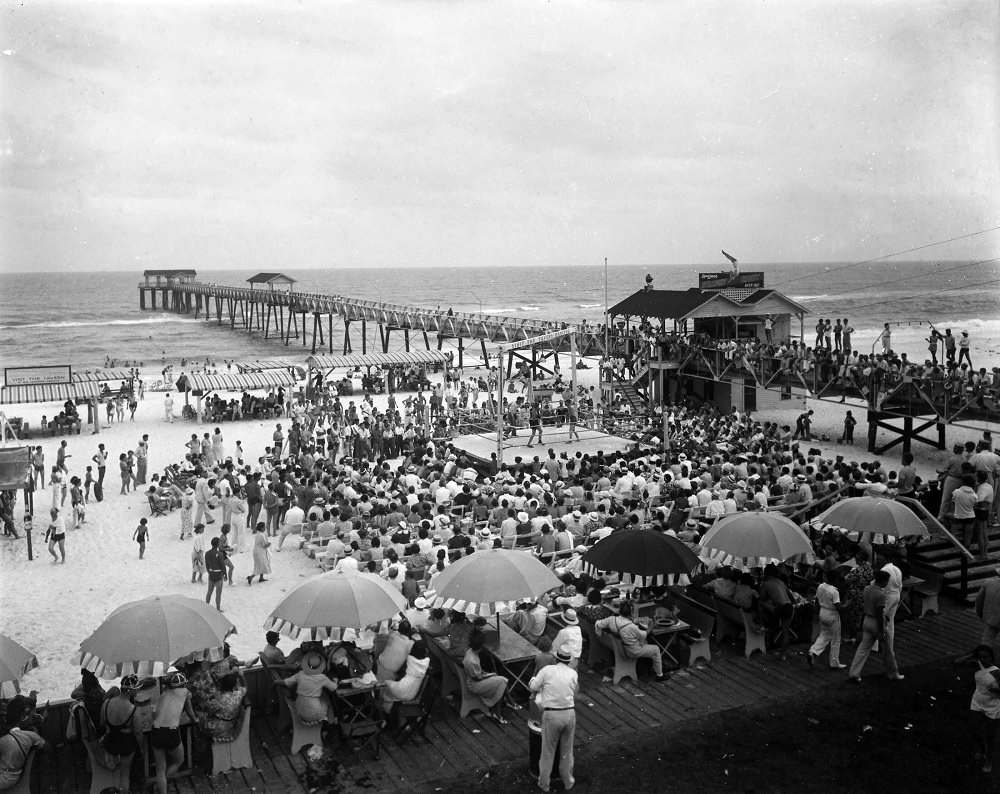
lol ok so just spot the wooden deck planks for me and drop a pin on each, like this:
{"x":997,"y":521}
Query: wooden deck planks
{"x":458,"y":748}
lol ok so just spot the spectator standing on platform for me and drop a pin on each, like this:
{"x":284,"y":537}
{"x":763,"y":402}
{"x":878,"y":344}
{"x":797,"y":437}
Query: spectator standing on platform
{"x":964,"y":344}
{"x":555,"y":686}
{"x":849,"y":423}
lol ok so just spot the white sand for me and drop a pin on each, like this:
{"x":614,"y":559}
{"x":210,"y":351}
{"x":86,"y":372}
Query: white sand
{"x":51,"y":608}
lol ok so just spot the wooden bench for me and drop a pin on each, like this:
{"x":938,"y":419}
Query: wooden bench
{"x":698,"y":637}
{"x":23,"y":785}
{"x":735,"y":616}
{"x":233,"y":754}
{"x":453,"y":679}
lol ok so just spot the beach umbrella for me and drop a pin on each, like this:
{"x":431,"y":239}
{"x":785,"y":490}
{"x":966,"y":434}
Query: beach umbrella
{"x":15,"y":662}
{"x":755,"y":539}
{"x":147,"y":636}
{"x":493,"y":581}
{"x":321,"y":607}
{"x":873,"y":517}
{"x":641,"y":552}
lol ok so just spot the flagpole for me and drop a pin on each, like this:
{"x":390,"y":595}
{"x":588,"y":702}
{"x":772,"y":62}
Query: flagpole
{"x":607,"y":349}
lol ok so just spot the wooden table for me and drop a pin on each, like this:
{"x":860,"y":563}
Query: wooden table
{"x":665,"y":637}
{"x":513,"y":655}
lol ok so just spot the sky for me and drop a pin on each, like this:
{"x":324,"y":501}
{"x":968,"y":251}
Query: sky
{"x":286,"y":135}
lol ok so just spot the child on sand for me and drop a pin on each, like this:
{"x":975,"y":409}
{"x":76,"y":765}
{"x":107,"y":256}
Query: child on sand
{"x":79,"y":506}
{"x":849,"y":423}
{"x":55,"y":535}
{"x":88,"y":481}
{"x":140,"y":536}
{"x":198,"y":554}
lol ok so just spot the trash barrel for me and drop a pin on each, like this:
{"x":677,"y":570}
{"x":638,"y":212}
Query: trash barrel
{"x":535,"y":748}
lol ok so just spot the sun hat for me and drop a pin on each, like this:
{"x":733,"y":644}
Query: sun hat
{"x":318,"y":500}
{"x":691,"y":523}
{"x":130,"y":682}
{"x":564,"y":656}
{"x":485,"y":533}
{"x":313,"y":662}
{"x":577,"y":514}
{"x":522,"y":517}
{"x":420,"y":602}
{"x":569,"y":616}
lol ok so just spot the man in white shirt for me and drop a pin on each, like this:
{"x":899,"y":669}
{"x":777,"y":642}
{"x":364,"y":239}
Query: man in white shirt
{"x":294,"y":519}
{"x":893,"y":593}
{"x":570,"y":638}
{"x":828,"y":600}
{"x":555,"y":686}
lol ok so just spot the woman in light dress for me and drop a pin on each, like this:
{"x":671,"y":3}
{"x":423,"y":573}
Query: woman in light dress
{"x":187,"y":513}
{"x":407,"y":687}
{"x":490,"y":687}
{"x":261,"y":555}
{"x":218,"y":448}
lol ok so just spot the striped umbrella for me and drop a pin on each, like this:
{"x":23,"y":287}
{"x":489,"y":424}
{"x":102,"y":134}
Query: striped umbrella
{"x":148,"y":636}
{"x":491,"y":582}
{"x":755,"y":539}
{"x":322,"y":607}
{"x":876,"y":518}
{"x":15,"y":662}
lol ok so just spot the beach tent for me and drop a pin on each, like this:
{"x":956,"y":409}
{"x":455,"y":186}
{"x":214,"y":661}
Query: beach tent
{"x":248,"y":381}
{"x":268,"y":364}
{"x":350,"y":361}
{"x":99,"y":375}
{"x":48,"y":393}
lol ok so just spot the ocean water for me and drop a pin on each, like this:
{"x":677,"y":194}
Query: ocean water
{"x":80,"y":318}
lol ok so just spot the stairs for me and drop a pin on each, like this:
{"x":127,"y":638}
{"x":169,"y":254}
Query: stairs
{"x":938,"y":553}
{"x":632,"y":396}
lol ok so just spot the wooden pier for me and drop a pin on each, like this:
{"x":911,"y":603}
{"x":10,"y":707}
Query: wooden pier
{"x":289,"y":315}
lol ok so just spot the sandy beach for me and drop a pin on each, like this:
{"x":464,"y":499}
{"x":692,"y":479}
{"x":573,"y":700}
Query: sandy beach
{"x":50,"y":608}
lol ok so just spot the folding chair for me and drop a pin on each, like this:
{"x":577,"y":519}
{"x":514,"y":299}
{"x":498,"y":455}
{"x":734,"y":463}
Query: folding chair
{"x":361,"y":722}
{"x":156,"y":508}
{"x":414,"y":714}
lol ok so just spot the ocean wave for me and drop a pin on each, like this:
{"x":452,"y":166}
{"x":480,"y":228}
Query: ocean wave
{"x":527,"y":308}
{"x":101,"y":323}
{"x":588,"y":305}
{"x":807,"y":298}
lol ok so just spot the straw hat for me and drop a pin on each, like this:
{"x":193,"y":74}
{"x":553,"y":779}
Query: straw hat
{"x":569,"y":616}
{"x":485,"y":533}
{"x":564,"y":656}
{"x":313,"y":662}
{"x":420,"y":602}
{"x":522,"y":517}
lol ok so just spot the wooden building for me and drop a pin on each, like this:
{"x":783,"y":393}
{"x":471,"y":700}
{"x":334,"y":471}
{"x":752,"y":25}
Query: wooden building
{"x":272,"y":281}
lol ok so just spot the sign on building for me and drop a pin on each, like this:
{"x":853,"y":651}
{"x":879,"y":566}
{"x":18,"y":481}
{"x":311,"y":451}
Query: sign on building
{"x":38,"y":376}
{"x":724,"y":280}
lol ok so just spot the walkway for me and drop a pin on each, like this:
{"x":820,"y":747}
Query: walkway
{"x":466,"y":749}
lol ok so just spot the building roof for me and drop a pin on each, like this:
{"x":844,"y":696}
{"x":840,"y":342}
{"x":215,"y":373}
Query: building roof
{"x":693,"y":302}
{"x":271,"y":278}
{"x":170,"y":273}
{"x":377,"y":359}
{"x":672,"y":303}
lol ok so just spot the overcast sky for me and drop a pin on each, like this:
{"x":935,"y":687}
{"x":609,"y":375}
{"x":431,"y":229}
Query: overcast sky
{"x":282,"y":135}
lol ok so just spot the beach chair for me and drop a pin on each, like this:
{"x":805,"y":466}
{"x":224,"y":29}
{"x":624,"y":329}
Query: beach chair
{"x":414,"y":714}
{"x":470,"y":701}
{"x":624,"y":665}
{"x":157,"y":507}
{"x":361,"y":721}
{"x":233,"y":754}
{"x":303,"y":733}
{"x":597,"y":651}
{"x":101,"y":777}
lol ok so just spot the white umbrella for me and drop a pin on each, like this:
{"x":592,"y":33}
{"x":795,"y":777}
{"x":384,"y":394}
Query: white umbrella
{"x":147,"y":636}
{"x":874,"y":517}
{"x":755,"y":539}
{"x":15,"y":662}
{"x":323,"y":606}
{"x":493,"y":581}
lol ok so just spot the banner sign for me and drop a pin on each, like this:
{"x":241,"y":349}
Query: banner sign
{"x":726,"y":280}
{"x":15,"y":463}
{"x":537,"y":340}
{"x":38,"y":376}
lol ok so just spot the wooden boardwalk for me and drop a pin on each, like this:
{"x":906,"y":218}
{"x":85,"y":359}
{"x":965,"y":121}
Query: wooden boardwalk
{"x":467,"y":749}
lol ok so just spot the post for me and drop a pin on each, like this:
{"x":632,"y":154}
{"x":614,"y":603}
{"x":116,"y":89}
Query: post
{"x":27,"y":528}
{"x":572,"y":365}
{"x":500,"y":410}
{"x":666,"y":434}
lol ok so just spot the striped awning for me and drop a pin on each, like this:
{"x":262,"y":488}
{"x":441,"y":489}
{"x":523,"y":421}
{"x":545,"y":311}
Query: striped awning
{"x":264,"y":366}
{"x":89,"y":376}
{"x":377,"y":359}
{"x":58,"y":393}
{"x":268,"y":379}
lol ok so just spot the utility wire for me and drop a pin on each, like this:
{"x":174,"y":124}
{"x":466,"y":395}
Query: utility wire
{"x":910,"y":278}
{"x":926,"y":294}
{"x":889,"y":256}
